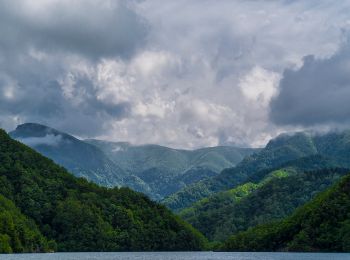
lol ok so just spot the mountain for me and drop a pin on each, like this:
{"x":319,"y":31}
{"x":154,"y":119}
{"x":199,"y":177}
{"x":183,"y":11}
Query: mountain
{"x":80,"y":158}
{"x":253,"y":203}
{"x":159,"y":171}
{"x":44,"y":208}
{"x":320,"y":225}
{"x":155,"y":170}
{"x":284,"y":148}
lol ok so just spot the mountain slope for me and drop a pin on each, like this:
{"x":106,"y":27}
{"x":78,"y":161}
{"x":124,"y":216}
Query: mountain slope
{"x":152,"y":169}
{"x":159,"y":171}
{"x":250,"y":204}
{"x":321,"y":225}
{"x":282,"y":149}
{"x":80,"y":158}
{"x":81,"y":216}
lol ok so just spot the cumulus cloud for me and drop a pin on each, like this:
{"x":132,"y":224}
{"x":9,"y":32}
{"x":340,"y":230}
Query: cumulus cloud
{"x":316,"y":94}
{"x":181,"y":73}
{"x":259,"y":85}
{"x":47,"y":50}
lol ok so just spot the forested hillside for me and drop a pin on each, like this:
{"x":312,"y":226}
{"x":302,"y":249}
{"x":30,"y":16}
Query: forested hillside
{"x":251,"y":204}
{"x":80,"y":158}
{"x":44,"y":207}
{"x":155,"y":170}
{"x":321,"y":225}
{"x":18,"y":233}
{"x":283,"y":149}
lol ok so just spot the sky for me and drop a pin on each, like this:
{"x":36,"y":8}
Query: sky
{"x":185,"y":73}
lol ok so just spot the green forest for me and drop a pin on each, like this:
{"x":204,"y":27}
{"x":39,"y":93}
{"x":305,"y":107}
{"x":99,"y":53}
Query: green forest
{"x":251,"y":204}
{"x":293,"y":195}
{"x":44,"y":208}
{"x":322,"y":225}
{"x":328,"y":150}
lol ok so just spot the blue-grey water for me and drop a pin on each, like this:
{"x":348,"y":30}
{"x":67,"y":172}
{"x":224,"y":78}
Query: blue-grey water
{"x":177,"y":256}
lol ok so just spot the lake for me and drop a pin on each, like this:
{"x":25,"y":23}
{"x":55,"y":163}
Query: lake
{"x":177,"y":256}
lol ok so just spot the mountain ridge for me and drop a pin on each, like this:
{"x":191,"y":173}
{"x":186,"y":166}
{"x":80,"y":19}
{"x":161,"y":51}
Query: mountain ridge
{"x":82,"y":159}
{"x":175,"y":167}
{"x":279,"y":150}
{"x":152,"y":169}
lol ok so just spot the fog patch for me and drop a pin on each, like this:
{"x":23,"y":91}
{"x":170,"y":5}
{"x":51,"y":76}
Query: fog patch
{"x":49,"y":139}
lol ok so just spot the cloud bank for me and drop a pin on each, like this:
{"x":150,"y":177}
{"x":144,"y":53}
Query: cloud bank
{"x":49,"y":139}
{"x":181,"y":73}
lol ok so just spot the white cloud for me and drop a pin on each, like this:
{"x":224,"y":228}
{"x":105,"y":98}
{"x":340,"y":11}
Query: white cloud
{"x":203,"y":75}
{"x":260,"y":85}
{"x":155,"y":64}
{"x":49,"y":139}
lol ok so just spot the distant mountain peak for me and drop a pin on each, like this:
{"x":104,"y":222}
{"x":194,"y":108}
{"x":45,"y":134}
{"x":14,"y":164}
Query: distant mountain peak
{"x":82,"y":159}
{"x":38,"y":133}
{"x":34,"y":135}
{"x":34,"y":130}
{"x":297,"y":139}
{"x":32,"y":125}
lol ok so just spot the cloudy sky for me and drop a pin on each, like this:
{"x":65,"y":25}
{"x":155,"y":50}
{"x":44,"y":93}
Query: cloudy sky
{"x":184,"y":73}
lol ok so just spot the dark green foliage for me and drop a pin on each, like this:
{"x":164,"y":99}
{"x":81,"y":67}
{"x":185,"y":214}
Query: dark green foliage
{"x":283,"y":149}
{"x":275,"y":197}
{"x":80,"y":216}
{"x":320,"y":225}
{"x":17,"y":232}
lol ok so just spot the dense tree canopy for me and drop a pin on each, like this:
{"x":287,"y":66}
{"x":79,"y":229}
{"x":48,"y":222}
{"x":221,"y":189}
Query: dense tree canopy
{"x":283,"y":149}
{"x":321,"y":225}
{"x":251,"y":204}
{"x":43,"y":203}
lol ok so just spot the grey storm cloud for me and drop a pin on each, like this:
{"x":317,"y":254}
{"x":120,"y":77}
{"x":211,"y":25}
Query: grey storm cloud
{"x":38,"y":42}
{"x":40,"y":99}
{"x":183,"y":73}
{"x":93,"y":28}
{"x":315,"y":94}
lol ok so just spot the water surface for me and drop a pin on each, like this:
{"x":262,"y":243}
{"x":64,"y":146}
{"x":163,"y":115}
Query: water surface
{"x":177,"y":256}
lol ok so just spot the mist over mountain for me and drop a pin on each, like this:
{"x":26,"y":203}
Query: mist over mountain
{"x":82,"y":159}
{"x":155,"y":170}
